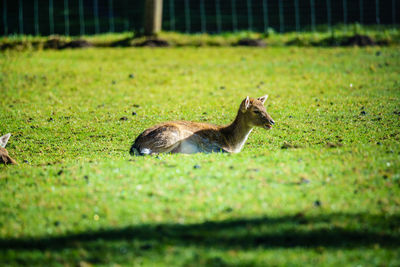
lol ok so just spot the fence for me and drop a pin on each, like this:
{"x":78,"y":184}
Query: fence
{"x":80,"y":17}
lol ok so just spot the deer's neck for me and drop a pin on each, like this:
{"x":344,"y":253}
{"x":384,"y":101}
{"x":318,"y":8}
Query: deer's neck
{"x":237,"y":132}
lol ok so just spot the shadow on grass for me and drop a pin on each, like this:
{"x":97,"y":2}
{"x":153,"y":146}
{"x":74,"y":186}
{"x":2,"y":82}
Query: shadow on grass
{"x":286,"y":231}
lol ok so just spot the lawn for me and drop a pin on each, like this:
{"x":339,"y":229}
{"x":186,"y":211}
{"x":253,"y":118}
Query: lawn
{"x":321,"y":188}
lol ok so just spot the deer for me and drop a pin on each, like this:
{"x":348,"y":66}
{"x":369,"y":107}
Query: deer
{"x":188,"y":137}
{"x":4,"y":157}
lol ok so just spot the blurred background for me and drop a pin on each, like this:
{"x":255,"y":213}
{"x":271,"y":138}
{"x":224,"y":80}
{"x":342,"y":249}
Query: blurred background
{"x":86,"y":17}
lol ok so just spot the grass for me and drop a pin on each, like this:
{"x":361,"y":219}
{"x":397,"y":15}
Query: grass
{"x":321,"y":188}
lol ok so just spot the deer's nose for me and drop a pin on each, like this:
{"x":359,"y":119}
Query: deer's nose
{"x":272,"y":122}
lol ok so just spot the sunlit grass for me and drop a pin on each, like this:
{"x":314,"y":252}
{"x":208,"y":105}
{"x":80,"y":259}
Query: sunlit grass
{"x":322,"y":187}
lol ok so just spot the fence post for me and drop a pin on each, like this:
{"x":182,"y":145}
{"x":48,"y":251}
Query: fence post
{"x":5,"y":17}
{"x":312,"y":6}
{"x":378,"y":21}
{"x":249,"y":15}
{"x":234,"y":16}
{"x":297,"y":14}
{"x":126,"y":24}
{"x":265,"y":15}
{"x":81,"y":18}
{"x":51,"y":17}
{"x":281,"y":21}
{"x":187,"y":16}
{"x":126,"y":17}
{"x":203,"y":17}
{"x":66,"y":17}
{"x":345,"y":12}
{"x":20,"y":17}
{"x":111,"y":15}
{"x":172,"y":15}
{"x":36,"y":16}
{"x":329,"y":14}
{"x":218,"y":15}
{"x":152,"y":17}
{"x":96,"y":16}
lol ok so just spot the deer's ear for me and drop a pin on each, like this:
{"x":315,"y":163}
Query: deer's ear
{"x":245,"y":104}
{"x":4,"y":140}
{"x":263,"y":99}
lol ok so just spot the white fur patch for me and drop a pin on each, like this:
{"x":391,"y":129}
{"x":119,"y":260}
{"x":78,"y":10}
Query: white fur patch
{"x":241,"y":144}
{"x":188,"y":147}
{"x":145,"y":151}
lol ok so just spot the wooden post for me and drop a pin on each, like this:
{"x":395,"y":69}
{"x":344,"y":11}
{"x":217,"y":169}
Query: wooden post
{"x":152,"y":17}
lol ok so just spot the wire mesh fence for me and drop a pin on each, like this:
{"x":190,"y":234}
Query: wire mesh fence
{"x":80,"y":17}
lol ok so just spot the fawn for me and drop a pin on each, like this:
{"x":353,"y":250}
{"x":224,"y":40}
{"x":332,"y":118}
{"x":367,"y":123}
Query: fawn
{"x":4,"y":157}
{"x":193,"y":137}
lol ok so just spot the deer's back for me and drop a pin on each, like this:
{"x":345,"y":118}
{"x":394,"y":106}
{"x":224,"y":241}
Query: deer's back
{"x":181,"y":136}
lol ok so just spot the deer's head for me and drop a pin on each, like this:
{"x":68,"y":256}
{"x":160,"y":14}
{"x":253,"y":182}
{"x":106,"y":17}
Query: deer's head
{"x":254,"y":111}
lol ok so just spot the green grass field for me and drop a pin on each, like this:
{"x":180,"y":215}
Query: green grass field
{"x":321,"y":188}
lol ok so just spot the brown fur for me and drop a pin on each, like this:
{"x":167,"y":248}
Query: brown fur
{"x":5,"y":158}
{"x":192,"y":137}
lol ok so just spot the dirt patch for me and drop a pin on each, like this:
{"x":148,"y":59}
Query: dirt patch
{"x":330,"y":41}
{"x":122,"y":43}
{"x":7,"y":46}
{"x":153,"y":43}
{"x":333,"y":145}
{"x":358,"y":40}
{"x":18,"y":45}
{"x":79,"y":43}
{"x":297,"y":42}
{"x":287,"y":145}
{"x":54,"y":43}
{"x":251,"y":42}
{"x":57,"y":43}
{"x":355,"y":40}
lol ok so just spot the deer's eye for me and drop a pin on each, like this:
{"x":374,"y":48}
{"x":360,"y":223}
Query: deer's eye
{"x":256,"y":111}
